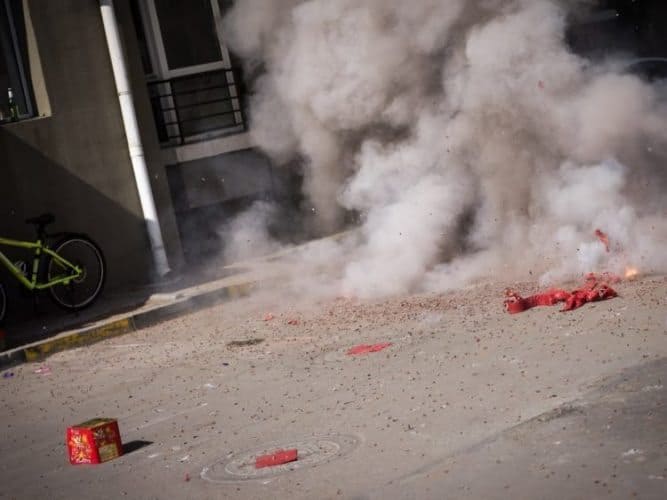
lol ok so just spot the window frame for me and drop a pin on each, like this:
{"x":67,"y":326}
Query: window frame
{"x":157,"y":53}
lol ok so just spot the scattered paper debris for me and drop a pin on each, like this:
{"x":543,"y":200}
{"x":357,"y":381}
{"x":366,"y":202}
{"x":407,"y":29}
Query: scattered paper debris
{"x":650,"y":388}
{"x":293,"y":322}
{"x":43,"y":370}
{"x":268,"y":317}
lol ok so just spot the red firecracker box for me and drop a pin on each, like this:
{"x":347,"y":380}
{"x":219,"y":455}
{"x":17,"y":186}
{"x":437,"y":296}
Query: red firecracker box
{"x":94,"y":441}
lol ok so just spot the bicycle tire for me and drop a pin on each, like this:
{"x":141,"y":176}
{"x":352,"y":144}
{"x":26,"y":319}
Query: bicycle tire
{"x":81,"y":292}
{"x":3,"y":303}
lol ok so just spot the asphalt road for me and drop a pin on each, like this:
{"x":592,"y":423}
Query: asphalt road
{"x":467,"y":402}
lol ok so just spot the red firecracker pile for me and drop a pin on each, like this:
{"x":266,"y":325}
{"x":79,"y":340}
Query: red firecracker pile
{"x":595,"y":288}
{"x":592,"y":291}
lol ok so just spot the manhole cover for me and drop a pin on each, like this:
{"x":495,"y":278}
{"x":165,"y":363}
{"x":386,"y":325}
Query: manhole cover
{"x":312,"y":451}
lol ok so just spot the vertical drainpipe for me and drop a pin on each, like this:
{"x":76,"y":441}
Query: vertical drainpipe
{"x":129,"y":117}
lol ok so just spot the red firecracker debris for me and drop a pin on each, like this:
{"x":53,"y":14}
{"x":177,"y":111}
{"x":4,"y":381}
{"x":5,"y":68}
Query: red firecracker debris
{"x":590,"y":292}
{"x":278,"y":457}
{"x":366,"y":348}
{"x":603,"y":238}
{"x":293,"y":322}
{"x":268,"y":317}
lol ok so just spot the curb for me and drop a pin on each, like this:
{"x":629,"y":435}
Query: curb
{"x":87,"y":336}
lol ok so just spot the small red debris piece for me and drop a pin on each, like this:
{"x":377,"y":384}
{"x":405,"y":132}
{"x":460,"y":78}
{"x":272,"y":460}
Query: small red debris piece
{"x":603,"y":238}
{"x":278,"y":457}
{"x":366,"y":348}
{"x":590,"y":292}
{"x":540,"y":84}
{"x":187,"y":477}
{"x":268,"y":317}
{"x":293,"y":322}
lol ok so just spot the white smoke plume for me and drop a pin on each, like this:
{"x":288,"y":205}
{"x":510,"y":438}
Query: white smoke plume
{"x":469,"y":137}
{"x":247,"y":235}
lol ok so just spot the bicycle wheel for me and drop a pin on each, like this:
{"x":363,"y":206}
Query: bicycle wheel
{"x":3,"y":303}
{"x":82,"y":291}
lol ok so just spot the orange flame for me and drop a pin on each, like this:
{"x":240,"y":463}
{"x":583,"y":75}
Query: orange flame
{"x":631,"y":272}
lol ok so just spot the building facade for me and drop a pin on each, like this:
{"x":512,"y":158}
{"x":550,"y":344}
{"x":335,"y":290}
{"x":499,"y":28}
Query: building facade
{"x":67,"y":153}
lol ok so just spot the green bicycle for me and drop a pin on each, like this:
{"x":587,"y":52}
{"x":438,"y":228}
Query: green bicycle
{"x":73,"y":269}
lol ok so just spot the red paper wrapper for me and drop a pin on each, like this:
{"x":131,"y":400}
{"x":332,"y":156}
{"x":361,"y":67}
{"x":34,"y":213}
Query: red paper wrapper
{"x":365,"y":349}
{"x":590,"y":292}
{"x":279,"y":457}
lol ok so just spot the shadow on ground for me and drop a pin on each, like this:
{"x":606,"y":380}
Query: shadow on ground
{"x":37,"y":318}
{"x":133,"y":446}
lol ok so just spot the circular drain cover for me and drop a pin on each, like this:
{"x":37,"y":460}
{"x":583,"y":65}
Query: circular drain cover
{"x":311,"y":451}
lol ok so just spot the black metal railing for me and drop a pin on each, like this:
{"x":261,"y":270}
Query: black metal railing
{"x":194,"y":107}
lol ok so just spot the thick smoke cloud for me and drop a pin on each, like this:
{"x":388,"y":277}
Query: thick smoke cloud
{"x":469,"y":137}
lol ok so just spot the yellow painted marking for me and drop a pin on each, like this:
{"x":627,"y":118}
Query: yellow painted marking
{"x":79,"y":339}
{"x":236,"y":291}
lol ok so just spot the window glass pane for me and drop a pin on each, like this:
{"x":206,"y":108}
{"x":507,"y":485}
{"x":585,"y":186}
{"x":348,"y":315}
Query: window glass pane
{"x":188,"y":32}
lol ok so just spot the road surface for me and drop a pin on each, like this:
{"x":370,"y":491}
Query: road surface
{"x":467,"y":402}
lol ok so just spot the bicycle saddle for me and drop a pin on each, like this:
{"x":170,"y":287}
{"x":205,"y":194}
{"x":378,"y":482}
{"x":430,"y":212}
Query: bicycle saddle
{"x":41,"y":220}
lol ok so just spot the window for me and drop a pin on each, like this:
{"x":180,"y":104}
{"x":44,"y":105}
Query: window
{"x":180,"y":38}
{"x":193,"y":88}
{"x":14,"y":67}
{"x":188,"y":33}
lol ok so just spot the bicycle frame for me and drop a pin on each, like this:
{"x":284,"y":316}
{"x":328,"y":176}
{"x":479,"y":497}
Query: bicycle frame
{"x":39,"y":250}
